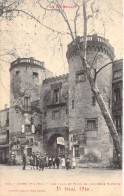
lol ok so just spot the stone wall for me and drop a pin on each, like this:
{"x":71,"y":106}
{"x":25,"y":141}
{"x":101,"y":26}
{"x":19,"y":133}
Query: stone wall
{"x":26,"y":82}
{"x":55,"y":126}
{"x":97,"y":150}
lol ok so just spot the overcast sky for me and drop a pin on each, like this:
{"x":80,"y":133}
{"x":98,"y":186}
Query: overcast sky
{"x":27,"y":38}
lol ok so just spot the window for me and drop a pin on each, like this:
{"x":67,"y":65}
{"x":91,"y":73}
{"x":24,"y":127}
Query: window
{"x":7,"y":119}
{"x":75,"y":137}
{"x":117,"y":74}
{"x":109,"y":103}
{"x":76,"y":148}
{"x":17,"y":73}
{"x":27,"y":128}
{"x":56,"y":95}
{"x":117,"y":96}
{"x":80,"y":76}
{"x":35,"y":75}
{"x":27,"y":103}
{"x":93,"y":100}
{"x":56,"y":114}
{"x":31,"y":141}
{"x":29,"y":151}
{"x":91,"y":125}
{"x":117,"y":121}
{"x":72,"y":104}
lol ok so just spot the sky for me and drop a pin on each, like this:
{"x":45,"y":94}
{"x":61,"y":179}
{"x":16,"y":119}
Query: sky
{"x":24,"y":37}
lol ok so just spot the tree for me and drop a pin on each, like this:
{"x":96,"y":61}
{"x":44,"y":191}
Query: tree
{"x":91,"y":7}
{"x":56,"y":6}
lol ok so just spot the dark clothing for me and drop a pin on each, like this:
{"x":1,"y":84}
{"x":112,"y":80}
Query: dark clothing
{"x":42,"y":163}
{"x":24,"y":161}
{"x":57,"y":161}
{"x":68,"y":166}
{"x":34,"y":160}
{"x":50,"y":163}
{"x":54,"y":163}
{"x":37,"y":161}
{"x":31,"y":161}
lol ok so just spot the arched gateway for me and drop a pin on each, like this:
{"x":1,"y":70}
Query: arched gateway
{"x":56,"y":142}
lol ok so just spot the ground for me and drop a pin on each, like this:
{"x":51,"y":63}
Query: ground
{"x":51,"y":182}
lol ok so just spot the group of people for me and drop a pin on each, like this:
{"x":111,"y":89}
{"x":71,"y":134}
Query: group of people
{"x":39,"y":162}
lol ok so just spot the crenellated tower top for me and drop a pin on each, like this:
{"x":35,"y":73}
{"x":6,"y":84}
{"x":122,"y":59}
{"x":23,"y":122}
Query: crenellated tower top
{"x":94,"y":42}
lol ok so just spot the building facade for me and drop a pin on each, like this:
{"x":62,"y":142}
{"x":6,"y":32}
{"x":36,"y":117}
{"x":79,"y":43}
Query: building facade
{"x":117,"y":97}
{"x":4,"y":135}
{"x":59,"y":115}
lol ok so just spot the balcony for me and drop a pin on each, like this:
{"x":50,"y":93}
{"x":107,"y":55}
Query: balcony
{"x":26,"y":61}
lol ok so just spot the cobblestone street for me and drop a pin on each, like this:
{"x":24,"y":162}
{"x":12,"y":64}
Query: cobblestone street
{"x":101,"y":182}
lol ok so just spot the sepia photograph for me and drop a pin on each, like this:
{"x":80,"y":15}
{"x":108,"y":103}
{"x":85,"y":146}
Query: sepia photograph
{"x":61,"y":101}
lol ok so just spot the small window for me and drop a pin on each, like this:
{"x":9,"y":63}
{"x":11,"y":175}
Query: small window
{"x":117,"y":121}
{"x":56,"y":114}
{"x":17,"y":73}
{"x":75,"y":137}
{"x":91,"y":125}
{"x":31,"y":141}
{"x":117,"y":74}
{"x":7,"y":119}
{"x":27,"y":128}
{"x":117,"y":96}
{"x":93,"y":100}
{"x":35,"y":75}
{"x":56,"y":95}
{"x":109,"y":103}
{"x":27,"y":103}
{"x":66,"y":111}
{"x":76,"y":148}
{"x":80,"y":77}
{"x":72,"y":104}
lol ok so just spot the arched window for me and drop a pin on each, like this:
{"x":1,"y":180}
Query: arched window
{"x":72,"y":104}
{"x":117,"y":95}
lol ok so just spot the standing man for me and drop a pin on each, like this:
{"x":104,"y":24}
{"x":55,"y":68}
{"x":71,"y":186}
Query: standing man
{"x":24,"y":161}
{"x":57,"y":160}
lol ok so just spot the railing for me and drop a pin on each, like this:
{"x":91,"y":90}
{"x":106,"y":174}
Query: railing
{"x":96,"y":38}
{"x":27,"y":60}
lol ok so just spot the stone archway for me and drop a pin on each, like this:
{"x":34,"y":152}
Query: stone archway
{"x":50,"y":142}
{"x":53,"y":148}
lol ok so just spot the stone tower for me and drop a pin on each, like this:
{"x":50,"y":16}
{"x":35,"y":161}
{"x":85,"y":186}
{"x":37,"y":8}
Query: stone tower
{"x":26,"y":76}
{"x":90,"y":141}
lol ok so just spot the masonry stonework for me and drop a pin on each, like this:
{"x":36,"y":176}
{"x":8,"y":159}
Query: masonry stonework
{"x":97,"y":149}
{"x":44,"y":108}
{"x":26,"y":76}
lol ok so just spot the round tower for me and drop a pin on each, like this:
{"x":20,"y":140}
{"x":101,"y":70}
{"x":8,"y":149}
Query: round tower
{"x":90,"y":141}
{"x":26,"y":75}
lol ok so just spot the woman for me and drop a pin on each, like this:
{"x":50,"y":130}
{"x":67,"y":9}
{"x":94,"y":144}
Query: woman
{"x":68,"y":166}
{"x":53,"y":162}
{"x":73,"y":162}
{"x":50,"y":162}
{"x":31,"y":161}
{"x":63,"y":162}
